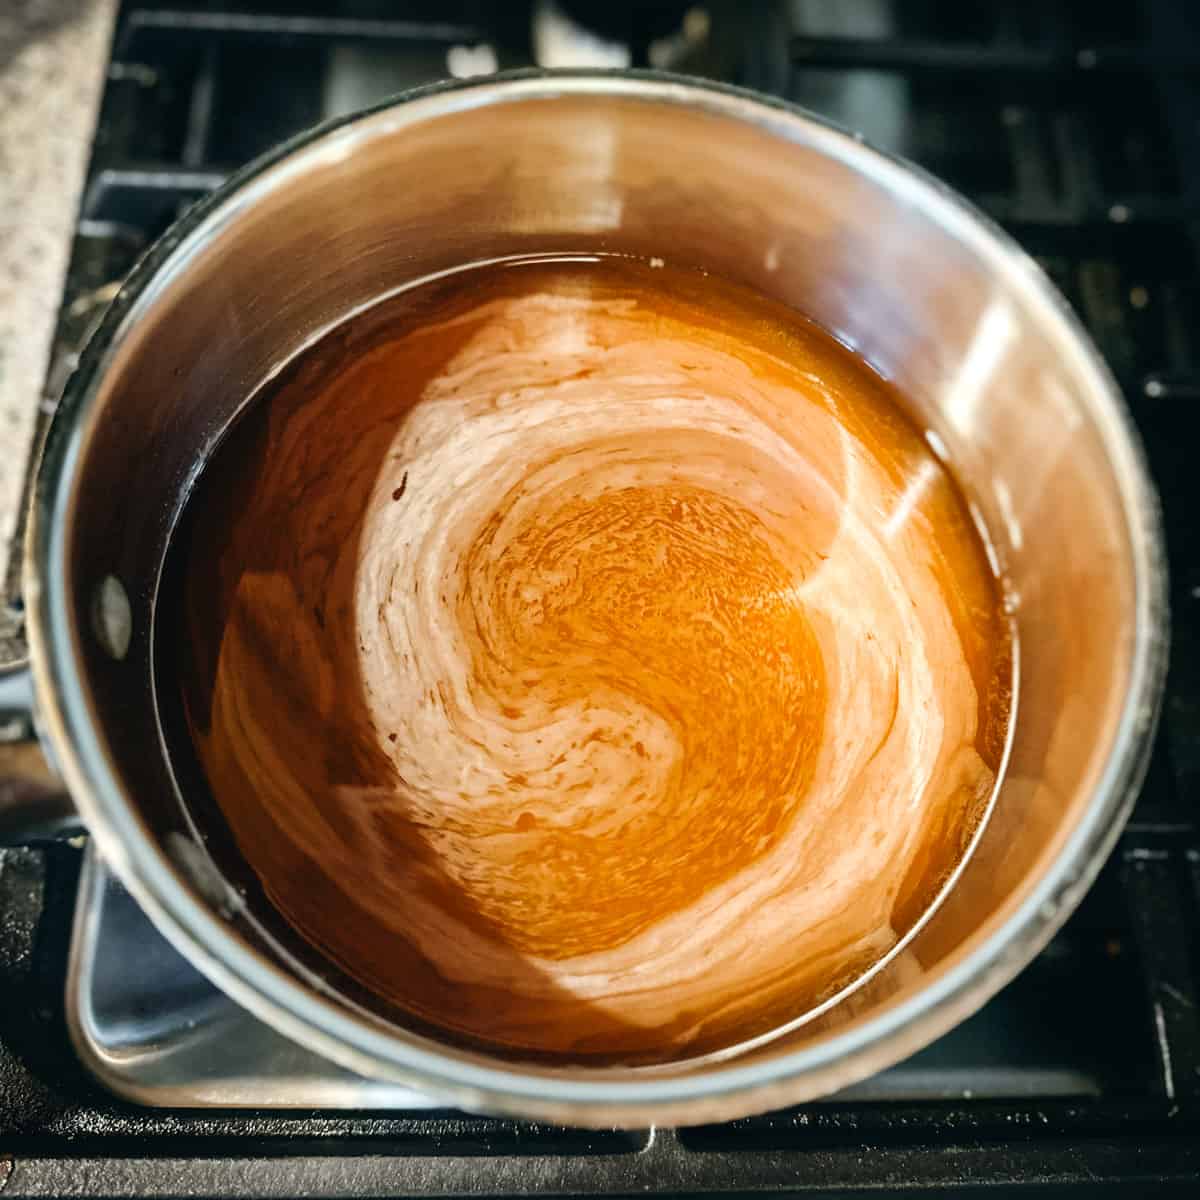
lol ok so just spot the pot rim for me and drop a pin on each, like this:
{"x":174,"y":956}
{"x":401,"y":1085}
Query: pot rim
{"x":364,"y":1044}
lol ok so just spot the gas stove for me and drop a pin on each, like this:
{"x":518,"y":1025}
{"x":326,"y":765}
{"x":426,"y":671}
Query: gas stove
{"x":1076,"y":126}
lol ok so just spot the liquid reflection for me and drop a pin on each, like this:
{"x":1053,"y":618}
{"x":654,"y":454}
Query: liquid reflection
{"x":602,"y":665}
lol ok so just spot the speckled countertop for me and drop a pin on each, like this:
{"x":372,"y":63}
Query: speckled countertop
{"x":53,"y":55}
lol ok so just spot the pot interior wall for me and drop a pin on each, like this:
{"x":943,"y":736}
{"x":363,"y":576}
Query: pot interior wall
{"x":879,"y":257}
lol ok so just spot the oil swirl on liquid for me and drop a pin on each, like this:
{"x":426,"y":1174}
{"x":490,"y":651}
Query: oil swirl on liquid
{"x":592,"y":661}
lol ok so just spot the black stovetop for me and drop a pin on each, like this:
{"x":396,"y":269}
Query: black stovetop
{"x":1077,"y":126}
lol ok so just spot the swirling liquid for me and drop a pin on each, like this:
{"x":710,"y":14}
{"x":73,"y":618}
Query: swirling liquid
{"x":592,"y":661}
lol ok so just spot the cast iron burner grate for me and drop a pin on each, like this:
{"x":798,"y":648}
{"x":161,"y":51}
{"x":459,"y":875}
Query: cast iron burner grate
{"x":1076,"y":125}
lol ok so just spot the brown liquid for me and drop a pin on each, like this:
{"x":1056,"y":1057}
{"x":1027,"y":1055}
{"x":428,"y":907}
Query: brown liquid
{"x":590,"y":660}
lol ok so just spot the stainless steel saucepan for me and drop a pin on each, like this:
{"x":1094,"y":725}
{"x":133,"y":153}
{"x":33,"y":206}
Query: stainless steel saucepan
{"x":892,"y":262}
